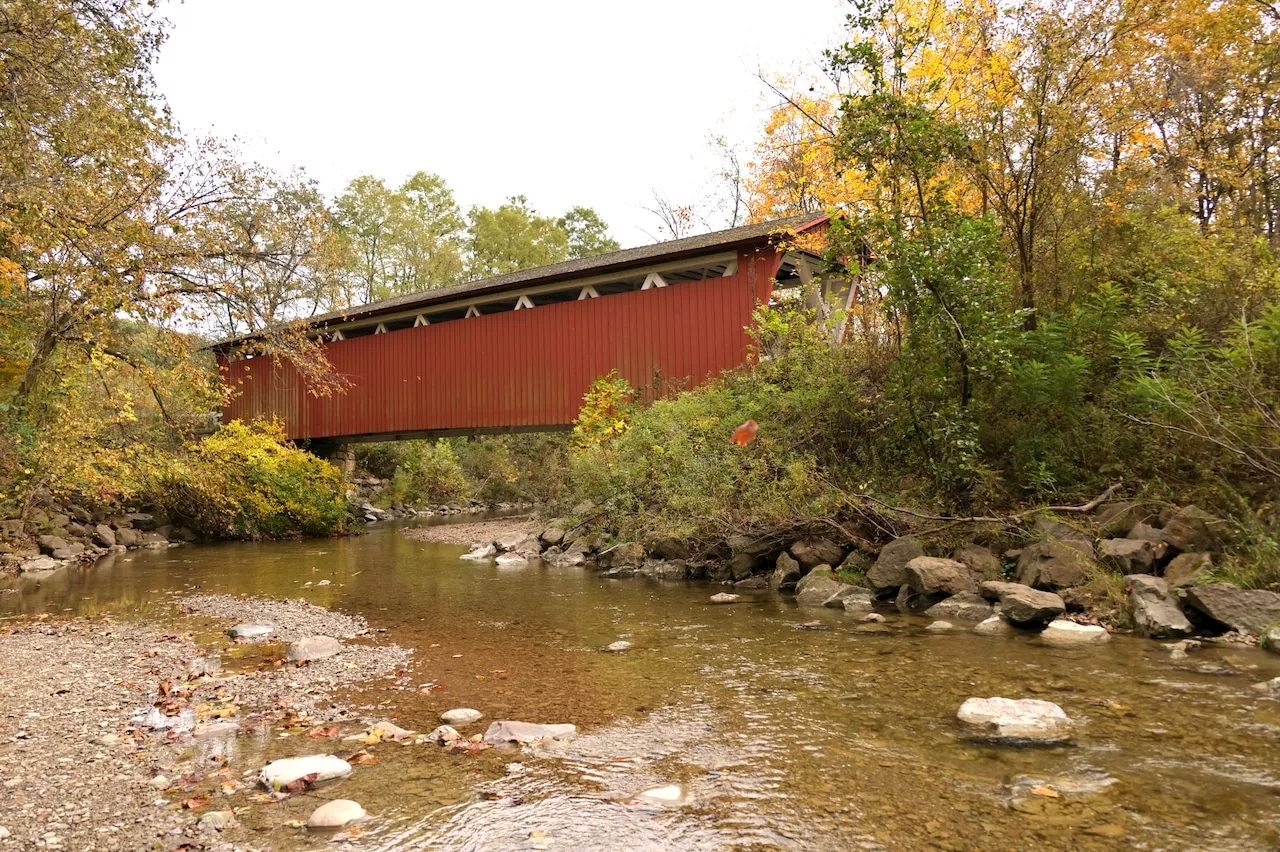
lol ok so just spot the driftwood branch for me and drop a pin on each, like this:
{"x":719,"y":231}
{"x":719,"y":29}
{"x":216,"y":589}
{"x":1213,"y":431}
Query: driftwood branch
{"x":1014,"y":518}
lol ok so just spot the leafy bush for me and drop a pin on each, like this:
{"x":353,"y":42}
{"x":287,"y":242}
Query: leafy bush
{"x":247,"y":481}
{"x":427,"y":473}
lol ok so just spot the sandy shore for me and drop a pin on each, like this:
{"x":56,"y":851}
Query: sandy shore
{"x":471,"y":534}
{"x":83,"y":767}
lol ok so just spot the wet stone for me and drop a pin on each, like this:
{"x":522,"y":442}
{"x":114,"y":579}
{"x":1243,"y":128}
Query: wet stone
{"x":336,"y":814}
{"x":1016,"y":721}
{"x":460,"y":716}
{"x":251,"y":631}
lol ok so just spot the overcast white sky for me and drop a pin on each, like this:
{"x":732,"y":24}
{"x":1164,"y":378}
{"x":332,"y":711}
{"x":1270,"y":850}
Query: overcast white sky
{"x":593,"y":103}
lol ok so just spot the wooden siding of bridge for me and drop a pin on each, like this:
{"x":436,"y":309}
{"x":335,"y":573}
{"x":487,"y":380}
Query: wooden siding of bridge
{"x":516,"y":369}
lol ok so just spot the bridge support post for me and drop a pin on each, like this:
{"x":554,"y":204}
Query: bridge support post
{"x":342,"y":456}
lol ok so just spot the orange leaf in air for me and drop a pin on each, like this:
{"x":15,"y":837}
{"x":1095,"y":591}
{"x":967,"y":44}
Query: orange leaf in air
{"x":745,"y":434}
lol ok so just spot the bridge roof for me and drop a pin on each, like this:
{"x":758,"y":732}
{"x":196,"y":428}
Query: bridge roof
{"x":745,"y":235}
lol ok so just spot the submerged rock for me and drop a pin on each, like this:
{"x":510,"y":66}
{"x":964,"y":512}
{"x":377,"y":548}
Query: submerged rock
{"x":725,"y":598}
{"x":251,"y":631}
{"x":620,"y":645}
{"x":939,"y":626}
{"x":511,"y":560}
{"x":669,"y":795}
{"x":313,"y":648}
{"x":994,"y":625}
{"x":335,"y":814}
{"x":1016,"y":721}
{"x":39,"y":564}
{"x":460,"y":716}
{"x":281,"y":773}
{"x":1067,"y":634}
{"x":503,"y":732}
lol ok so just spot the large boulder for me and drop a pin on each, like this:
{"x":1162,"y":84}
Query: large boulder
{"x":281,"y":773}
{"x":128,"y":537}
{"x":1145,"y":532}
{"x":668,"y":547}
{"x":1186,"y":569}
{"x":966,"y":606}
{"x":662,"y":569}
{"x":1155,"y":609}
{"x":812,"y":552}
{"x":38,"y":564}
{"x":816,"y":587}
{"x":981,"y":562}
{"x":1023,"y":605}
{"x":551,"y":537}
{"x":1052,"y":564}
{"x":1061,"y":633}
{"x":1006,"y":720}
{"x":1127,"y":555}
{"x":313,"y":648}
{"x":1192,"y":529}
{"x":937,"y":579}
{"x":1118,"y":518}
{"x":51,"y":544}
{"x":889,"y":573}
{"x":627,"y":555}
{"x":1048,"y":528}
{"x":1245,"y":610}
{"x":748,"y":554}
{"x":786,"y":574}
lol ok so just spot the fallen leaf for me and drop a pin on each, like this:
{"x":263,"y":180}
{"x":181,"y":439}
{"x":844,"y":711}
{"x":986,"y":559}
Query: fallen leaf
{"x":745,"y":434}
{"x":297,"y":785}
{"x":195,"y":803}
{"x":1046,"y":792}
{"x":320,"y":733}
{"x":363,"y":757}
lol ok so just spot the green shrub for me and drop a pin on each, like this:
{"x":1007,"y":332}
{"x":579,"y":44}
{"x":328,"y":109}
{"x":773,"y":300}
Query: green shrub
{"x":428,"y":473}
{"x":247,"y":481}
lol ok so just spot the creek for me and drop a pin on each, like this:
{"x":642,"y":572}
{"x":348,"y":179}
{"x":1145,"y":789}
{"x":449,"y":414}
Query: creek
{"x":783,"y":727}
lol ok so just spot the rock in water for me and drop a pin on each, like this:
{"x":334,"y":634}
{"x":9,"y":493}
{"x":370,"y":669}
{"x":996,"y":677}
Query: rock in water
{"x":335,"y":814}
{"x":460,"y":716}
{"x":487,"y":551}
{"x":786,"y":573}
{"x":251,"y":631}
{"x":1006,"y":720}
{"x":669,"y":795}
{"x":937,"y":579}
{"x":1024,"y":605}
{"x":620,"y":645}
{"x":1155,"y":610}
{"x":444,"y":735}
{"x":993,"y":626}
{"x":511,"y":560}
{"x":840,"y":599}
{"x":939,"y":626}
{"x":1246,"y":610}
{"x":1067,"y":634}
{"x":313,"y":648}
{"x":966,"y":606}
{"x":725,"y":598}
{"x":817,"y":586}
{"x":503,"y":732}
{"x":889,"y":572}
{"x":280,"y":773}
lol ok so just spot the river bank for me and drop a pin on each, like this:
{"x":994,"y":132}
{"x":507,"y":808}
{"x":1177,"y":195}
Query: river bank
{"x":140,"y":734}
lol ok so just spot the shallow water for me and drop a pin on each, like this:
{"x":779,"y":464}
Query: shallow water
{"x":779,"y":737}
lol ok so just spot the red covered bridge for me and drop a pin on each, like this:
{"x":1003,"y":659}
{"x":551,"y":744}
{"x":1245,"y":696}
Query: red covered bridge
{"x":517,"y":352}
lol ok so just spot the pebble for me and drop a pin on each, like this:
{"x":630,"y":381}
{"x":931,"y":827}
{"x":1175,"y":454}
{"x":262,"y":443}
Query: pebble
{"x":216,"y":821}
{"x":4,"y":833}
{"x":872,"y":618}
{"x":460,"y":716}
{"x":335,"y":814}
{"x":159,"y":782}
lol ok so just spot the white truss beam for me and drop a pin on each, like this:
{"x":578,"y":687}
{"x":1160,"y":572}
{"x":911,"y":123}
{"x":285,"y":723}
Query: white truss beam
{"x":523,"y":303}
{"x":471,"y":312}
{"x":652,"y":281}
{"x":588,"y":292}
{"x":420,"y":321}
